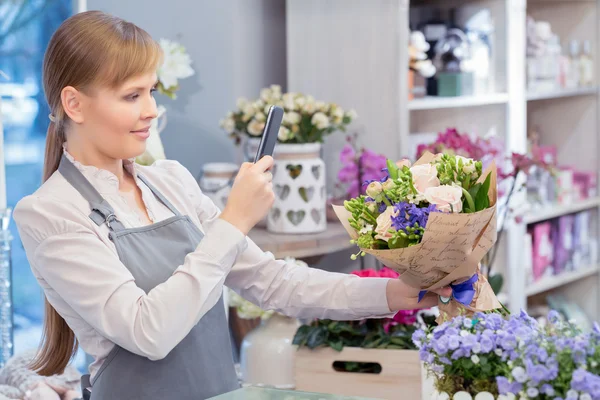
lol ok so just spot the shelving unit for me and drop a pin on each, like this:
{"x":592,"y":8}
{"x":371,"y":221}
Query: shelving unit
{"x":355,"y":53}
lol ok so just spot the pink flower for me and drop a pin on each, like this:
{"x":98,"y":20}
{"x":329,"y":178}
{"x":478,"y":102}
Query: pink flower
{"x":347,"y":155}
{"x":366,"y":273}
{"x":406,"y":317}
{"x":446,"y":198}
{"x":349,"y":173}
{"x":424,"y":177}
{"x":384,"y":224}
{"x":386,"y":272}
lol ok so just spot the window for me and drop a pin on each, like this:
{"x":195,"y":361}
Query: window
{"x":25,"y":30}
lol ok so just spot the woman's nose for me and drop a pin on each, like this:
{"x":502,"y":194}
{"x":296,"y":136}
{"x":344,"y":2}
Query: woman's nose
{"x":150,"y":110}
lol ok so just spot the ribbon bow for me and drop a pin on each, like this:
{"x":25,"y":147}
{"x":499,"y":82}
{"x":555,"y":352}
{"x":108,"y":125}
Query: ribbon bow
{"x":461,"y":292}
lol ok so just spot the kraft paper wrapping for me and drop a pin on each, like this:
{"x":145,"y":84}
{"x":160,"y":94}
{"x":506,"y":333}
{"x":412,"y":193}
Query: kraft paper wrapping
{"x":450,"y":251}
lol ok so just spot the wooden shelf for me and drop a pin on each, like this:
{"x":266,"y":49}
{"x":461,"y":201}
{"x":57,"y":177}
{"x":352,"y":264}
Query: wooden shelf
{"x":434,"y":102}
{"x":335,"y":238}
{"x":557,"y":94}
{"x":553,"y":282}
{"x":556,"y":210}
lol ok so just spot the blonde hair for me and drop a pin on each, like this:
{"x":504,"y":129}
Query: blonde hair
{"x":88,"y":50}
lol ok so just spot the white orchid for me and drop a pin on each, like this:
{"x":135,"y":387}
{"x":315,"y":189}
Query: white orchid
{"x":176,"y":65}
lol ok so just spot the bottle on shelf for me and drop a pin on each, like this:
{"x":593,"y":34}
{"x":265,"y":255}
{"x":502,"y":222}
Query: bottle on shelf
{"x":573,"y":77}
{"x":586,"y":65}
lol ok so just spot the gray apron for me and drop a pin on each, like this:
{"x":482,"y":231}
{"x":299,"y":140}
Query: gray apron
{"x":201,"y":365}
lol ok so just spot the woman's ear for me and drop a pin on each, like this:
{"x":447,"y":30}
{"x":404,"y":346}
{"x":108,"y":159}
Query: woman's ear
{"x":72,"y":102}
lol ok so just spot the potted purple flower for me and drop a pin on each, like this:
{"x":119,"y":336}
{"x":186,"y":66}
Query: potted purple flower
{"x":489,"y":357}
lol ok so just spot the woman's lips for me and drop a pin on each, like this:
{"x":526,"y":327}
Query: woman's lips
{"x":142,"y":133}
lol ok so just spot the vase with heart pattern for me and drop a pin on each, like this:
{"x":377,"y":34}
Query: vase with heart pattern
{"x":299,"y":185}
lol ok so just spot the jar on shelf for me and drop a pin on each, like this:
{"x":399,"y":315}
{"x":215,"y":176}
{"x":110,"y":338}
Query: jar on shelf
{"x":216,"y":181}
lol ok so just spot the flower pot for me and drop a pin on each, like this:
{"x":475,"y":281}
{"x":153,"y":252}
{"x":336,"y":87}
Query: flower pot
{"x":401,"y":375}
{"x":299,"y":184}
{"x":267,"y":353}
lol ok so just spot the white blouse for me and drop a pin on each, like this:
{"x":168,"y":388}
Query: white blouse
{"x":82,"y":277}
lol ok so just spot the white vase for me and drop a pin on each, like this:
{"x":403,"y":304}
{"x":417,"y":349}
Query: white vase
{"x":216,"y":181}
{"x":267,"y":355}
{"x":299,"y":185}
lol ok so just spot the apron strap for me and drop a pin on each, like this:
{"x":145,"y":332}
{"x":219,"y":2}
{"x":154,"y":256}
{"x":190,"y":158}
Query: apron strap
{"x":102,"y":212}
{"x":159,"y":195}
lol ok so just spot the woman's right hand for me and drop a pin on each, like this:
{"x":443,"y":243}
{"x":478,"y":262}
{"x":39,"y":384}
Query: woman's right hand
{"x":251,"y":195}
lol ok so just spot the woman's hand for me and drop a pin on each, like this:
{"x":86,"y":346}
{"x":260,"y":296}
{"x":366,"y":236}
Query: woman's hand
{"x":251,"y":195}
{"x":400,"y":296}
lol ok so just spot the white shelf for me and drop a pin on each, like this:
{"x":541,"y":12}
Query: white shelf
{"x":556,"y":210}
{"x":557,"y":94}
{"x":435,"y":102}
{"x":553,"y":282}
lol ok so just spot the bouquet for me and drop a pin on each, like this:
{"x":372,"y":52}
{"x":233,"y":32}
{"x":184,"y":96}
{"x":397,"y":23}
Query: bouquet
{"x":513,"y":358}
{"x":431,"y":222}
{"x":306,"y":120}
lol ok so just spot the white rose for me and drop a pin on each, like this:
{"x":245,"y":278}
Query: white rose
{"x":446,"y":198}
{"x":275,"y":91}
{"x":241,"y":103}
{"x":176,"y":63}
{"x":258,"y":105}
{"x":265,"y":95}
{"x":320,"y":120}
{"x":300,"y":101}
{"x":284,"y":134}
{"x":260,"y":117}
{"x":255,"y":128}
{"x":424,"y":177}
{"x":338,"y":112}
{"x":352,"y":114}
{"x":248,"y":109}
{"x":228,"y":124}
{"x":292,"y":117}
{"x":309,"y":108}
{"x":374,"y":189}
{"x":288,"y":101}
{"x":388,"y":185}
{"x":384,"y":224}
{"x":469,"y":168}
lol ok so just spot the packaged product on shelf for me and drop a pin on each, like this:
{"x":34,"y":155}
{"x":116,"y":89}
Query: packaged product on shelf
{"x":543,"y":252}
{"x":528,"y":255}
{"x":584,"y":183}
{"x":581,"y":240}
{"x":564,"y":186}
{"x":563,"y":244}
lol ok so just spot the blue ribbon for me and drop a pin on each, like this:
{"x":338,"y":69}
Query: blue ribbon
{"x":461,"y":292}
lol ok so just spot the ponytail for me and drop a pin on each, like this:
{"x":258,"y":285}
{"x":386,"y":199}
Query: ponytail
{"x":54,"y":149}
{"x":59,"y":344}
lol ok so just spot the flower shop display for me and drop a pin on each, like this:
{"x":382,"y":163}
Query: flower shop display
{"x":369,"y":357}
{"x":491,"y":357}
{"x":267,"y":355}
{"x":176,"y":65}
{"x":299,"y":172}
{"x":432,"y":222}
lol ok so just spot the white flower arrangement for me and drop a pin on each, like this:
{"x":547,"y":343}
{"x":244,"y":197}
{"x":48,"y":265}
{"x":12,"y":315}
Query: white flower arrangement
{"x":176,"y":65}
{"x":306,"y":120}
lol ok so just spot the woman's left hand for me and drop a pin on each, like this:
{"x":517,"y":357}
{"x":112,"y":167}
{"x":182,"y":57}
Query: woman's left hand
{"x":400,"y":296}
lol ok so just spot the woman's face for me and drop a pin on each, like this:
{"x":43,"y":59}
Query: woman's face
{"x":117,"y":121}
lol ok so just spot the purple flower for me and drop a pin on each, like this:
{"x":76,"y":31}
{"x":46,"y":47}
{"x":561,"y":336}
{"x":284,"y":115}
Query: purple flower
{"x":487,"y":344}
{"x":547,"y":389}
{"x":441,"y":345}
{"x":453,"y":342}
{"x":347,"y":155}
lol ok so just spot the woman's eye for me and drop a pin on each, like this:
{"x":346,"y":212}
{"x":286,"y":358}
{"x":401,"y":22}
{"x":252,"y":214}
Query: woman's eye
{"x":133,"y":97}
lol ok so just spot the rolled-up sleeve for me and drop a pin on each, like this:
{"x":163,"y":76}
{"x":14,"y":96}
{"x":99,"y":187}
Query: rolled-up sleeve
{"x":86,"y":276}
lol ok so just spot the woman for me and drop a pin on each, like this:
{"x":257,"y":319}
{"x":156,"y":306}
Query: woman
{"x":133,"y":259}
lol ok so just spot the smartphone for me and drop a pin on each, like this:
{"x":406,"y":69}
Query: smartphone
{"x":269,"y":136}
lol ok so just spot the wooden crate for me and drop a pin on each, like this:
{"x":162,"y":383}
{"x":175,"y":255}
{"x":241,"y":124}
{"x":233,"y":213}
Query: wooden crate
{"x":401,"y":373}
